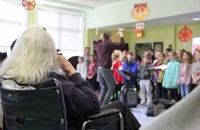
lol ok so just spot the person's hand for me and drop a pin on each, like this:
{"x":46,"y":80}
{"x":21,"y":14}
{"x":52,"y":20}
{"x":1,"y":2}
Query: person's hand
{"x":120,"y":34}
{"x":187,"y":84}
{"x":66,"y":65}
{"x":101,"y":37}
{"x":194,"y":81}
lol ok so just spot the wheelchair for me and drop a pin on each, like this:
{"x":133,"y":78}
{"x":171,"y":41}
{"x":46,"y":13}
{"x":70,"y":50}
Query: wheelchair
{"x":44,"y":109}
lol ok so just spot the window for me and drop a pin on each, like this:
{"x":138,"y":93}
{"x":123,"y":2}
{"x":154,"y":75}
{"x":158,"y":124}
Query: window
{"x":195,"y":44}
{"x":12,"y":22}
{"x":66,"y":29}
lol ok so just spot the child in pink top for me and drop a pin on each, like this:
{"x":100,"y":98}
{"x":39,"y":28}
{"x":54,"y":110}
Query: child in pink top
{"x":184,"y":79}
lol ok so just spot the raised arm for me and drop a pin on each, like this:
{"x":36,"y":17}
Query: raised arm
{"x":122,"y":41}
{"x":99,"y":41}
{"x":78,"y":93}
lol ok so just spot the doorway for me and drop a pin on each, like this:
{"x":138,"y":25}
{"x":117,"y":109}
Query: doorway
{"x":140,"y":48}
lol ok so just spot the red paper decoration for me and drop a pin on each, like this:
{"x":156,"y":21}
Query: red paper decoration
{"x":140,"y":7}
{"x":28,"y":4}
{"x":185,"y":34}
{"x":140,"y":11}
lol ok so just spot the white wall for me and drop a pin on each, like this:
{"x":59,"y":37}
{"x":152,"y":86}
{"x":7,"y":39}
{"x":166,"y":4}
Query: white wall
{"x":120,"y":12}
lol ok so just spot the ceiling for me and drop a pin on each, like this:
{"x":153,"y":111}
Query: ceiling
{"x":92,"y":3}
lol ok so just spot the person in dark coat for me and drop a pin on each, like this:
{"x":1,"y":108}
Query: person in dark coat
{"x":34,"y":58}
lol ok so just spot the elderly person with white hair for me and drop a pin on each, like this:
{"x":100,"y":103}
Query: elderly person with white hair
{"x":34,"y":59}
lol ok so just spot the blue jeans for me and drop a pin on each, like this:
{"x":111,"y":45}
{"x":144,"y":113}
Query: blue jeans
{"x":107,"y":83}
{"x":184,"y":90}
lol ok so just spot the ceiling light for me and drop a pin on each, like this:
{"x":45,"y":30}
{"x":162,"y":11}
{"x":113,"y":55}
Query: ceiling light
{"x":120,"y":29}
{"x":196,"y":19}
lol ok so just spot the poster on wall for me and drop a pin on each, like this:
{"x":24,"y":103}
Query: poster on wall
{"x":195,"y":44}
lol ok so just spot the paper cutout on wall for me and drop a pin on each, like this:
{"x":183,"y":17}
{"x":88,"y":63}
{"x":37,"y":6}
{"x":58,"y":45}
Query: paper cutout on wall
{"x":185,"y":34}
{"x":28,"y":4}
{"x":140,"y":11}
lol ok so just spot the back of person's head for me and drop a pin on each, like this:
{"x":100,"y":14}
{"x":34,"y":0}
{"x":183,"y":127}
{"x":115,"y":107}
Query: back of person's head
{"x":106,"y":36}
{"x":33,"y":57}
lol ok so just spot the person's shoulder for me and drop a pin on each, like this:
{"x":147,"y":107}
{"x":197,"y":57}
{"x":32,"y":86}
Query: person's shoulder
{"x":58,"y":75}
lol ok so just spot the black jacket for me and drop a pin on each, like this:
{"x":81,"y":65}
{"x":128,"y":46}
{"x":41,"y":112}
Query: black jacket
{"x":80,"y":99}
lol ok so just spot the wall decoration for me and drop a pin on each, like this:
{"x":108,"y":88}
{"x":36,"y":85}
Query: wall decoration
{"x":140,"y":11}
{"x":28,"y":4}
{"x":185,"y":34}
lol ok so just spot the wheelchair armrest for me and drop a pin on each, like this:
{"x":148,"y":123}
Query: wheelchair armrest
{"x":104,"y":113}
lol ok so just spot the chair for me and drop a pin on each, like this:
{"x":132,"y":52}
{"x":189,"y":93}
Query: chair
{"x":110,"y":119}
{"x":40,"y":109}
{"x":44,"y":109}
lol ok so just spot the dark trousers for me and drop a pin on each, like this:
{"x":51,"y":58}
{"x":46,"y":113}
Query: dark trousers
{"x":115,"y":94}
{"x":159,"y":91}
{"x":93,"y":82}
{"x":173,"y":94}
{"x":164,"y":93}
{"x":130,"y":122}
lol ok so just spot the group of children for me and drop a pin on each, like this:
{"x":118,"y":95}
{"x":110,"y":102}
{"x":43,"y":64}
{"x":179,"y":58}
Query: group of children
{"x":181,"y":75}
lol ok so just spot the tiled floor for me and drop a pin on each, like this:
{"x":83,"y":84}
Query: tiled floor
{"x":140,"y":114}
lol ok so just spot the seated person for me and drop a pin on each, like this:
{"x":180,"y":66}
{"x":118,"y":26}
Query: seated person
{"x":34,"y":58}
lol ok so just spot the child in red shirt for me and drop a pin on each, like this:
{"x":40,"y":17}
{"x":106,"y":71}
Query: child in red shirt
{"x":117,"y":65}
{"x":92,"y":75}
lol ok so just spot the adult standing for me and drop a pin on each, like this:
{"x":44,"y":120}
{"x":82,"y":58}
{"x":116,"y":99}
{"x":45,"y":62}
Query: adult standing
{"x":86,"y":55}
{"x":104,"y":48}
